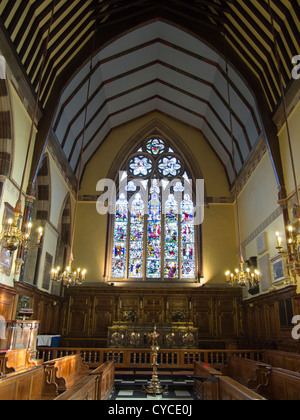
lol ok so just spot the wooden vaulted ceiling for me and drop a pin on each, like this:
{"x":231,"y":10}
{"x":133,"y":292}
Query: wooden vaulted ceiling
{"x":240,"y":30}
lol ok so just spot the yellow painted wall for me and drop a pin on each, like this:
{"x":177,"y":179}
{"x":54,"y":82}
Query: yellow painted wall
{"x":21,"y":125}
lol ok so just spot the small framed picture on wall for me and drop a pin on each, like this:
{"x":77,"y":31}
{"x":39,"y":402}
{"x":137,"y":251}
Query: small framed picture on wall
{"x":280,"y":271}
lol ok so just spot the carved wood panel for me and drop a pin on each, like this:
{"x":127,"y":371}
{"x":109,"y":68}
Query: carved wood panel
{"x":103,"y":315}
{"x":153,"y":311}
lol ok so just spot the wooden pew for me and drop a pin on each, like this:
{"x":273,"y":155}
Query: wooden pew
{"x":2,"y":362}
{"x":97,"y":386}
{"x":245,"y":371}
{"x":209,"y":391}
{"x":63,"y":373}
{"x":280,"y":385}
{"x":231,"y":390}
{"x":21,"y":359}
{"x":282,"y":359}
{"x":22,"y":385}
{"x":224,"y":389}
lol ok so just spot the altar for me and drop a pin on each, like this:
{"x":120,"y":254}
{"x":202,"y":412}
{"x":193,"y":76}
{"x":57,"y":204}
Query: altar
{"x":176,"y":335}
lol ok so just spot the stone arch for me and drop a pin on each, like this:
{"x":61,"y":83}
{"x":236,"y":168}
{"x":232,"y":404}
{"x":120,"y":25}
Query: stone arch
{"x":64,"y":240}
{"x":155,"y":128}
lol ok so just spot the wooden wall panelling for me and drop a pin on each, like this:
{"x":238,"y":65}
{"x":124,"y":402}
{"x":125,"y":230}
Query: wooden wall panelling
{"x":8,"y":302}
{"x":90,"y":310}
{"x":47,"y":308}
{"x":103,"y":315}
{"x":202,"y":316}
{"x":153,"y":310}
{"x":78,"y":316}
{"x":227,"y":318}
{"x":177,"y":304}
{"x":129,"y":303}
{"x":264,"y":322}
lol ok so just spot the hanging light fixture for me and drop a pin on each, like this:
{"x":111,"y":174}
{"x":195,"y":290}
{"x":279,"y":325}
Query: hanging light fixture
{"x":242,"y":276}
{"x":68,"y":277}
{"x":12,"y":237}
{"x":292,"y":254}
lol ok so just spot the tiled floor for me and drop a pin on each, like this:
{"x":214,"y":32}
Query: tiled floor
{"x":132,"y":389}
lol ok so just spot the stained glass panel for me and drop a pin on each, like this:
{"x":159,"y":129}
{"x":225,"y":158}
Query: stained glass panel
{"x":136,"y":238}
{"x":154,"y":234}
{"x":169,"y":166}
{"x":120,"y":238}
{"x":171,"y":238}
{"x":187,"y":238}
{"x":155,"y":147}
{"x":140,"y":166}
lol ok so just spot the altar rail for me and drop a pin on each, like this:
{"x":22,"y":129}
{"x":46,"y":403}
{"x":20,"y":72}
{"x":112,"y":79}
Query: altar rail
{"x":141,"y":358}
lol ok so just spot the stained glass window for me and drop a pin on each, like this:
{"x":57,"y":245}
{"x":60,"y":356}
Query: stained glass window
{"x":154,"y":232}
{"x":171,"y":238}
{"x":140,"y":166}
{"x":120,"y":238}
{"x":155,"y":147}
{"x":169,"y":166}
{"x":136,"y":238}
{"x":187,"y":238}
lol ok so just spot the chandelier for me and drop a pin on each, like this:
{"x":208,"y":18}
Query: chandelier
{"x":242,"y":276}
{"x":292,"y":254}
{"x":69,"y":278}
{"x":12,"y":237}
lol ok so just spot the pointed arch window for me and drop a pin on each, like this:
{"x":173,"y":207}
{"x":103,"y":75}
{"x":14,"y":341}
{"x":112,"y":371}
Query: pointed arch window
{"x":154,"y":234}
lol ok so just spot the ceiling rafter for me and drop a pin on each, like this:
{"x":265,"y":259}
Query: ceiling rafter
{"x":236,"y":29}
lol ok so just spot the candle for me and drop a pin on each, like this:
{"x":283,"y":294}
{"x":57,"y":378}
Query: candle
{"x":29,"y":226}
{"x":291,"y":233}
{"x":278,"y":240}
{"x":40,"y":231}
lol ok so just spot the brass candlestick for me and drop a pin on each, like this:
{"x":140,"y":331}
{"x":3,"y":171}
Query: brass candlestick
{"x":154,"y":388}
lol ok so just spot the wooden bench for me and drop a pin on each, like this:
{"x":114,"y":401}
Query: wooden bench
{"x":245,"y":371}
{"x":231,"y":390}
{"x":23,"y":385}
{"x":63,"y":373}
{"x":282,"y":359}
{"x":17,"y":360}
{"x":97,"y":386}
{"x":223,"y":388}
{"x":207,"y":390}
{"x":280,"y":385}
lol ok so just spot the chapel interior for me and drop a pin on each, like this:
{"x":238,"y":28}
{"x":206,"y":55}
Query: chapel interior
{"x":149,"y":199}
